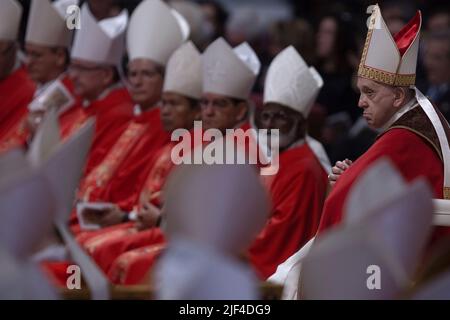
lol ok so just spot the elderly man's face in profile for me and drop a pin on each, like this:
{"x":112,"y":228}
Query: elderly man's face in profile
{"x":377,"y":102}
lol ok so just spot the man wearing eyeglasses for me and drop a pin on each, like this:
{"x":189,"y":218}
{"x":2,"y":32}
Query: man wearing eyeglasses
{"x":94,"y":70}
{"x":96,"y":57}
{"x":118,"y":177}
{"x":47,"y":42}
{"x":16,"y":88}
{"x":119,"y":250}
{"x":228,"y":78}
{"x":47,"y":57}
{"x":299,"y":187}
{"x":224,"y":105}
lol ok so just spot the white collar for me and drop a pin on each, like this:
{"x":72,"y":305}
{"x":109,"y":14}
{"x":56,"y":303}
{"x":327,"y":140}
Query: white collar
{"x":407,"y":107}
{"x":137,"y":110}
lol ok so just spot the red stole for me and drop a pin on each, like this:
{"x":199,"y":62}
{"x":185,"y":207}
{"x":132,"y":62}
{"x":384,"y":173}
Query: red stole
{"x":297,"y":192}
{"x":152,"y":187}
{"x":107,"y":244}
{"x":71,"y":120}
{"x":109,"y":248}
{"x":127,"y":162}
{"x":161,"y":168}
{"x":98,"y":179}
{"x":112,"y":114}
{"x":125,"y":188}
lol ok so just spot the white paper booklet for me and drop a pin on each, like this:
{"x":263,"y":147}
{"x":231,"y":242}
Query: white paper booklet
{"x":56,"y":96}
{"x":90,"y":213}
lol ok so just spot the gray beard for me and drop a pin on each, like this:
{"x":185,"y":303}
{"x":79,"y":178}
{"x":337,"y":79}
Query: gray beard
{"x":287,"y":139}
{"x":284,"y":140}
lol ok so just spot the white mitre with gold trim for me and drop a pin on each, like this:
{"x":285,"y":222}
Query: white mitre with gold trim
{"x":390,"y":59}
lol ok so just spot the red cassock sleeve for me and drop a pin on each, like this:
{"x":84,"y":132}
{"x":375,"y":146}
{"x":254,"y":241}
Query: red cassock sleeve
{"x":298,"y":193}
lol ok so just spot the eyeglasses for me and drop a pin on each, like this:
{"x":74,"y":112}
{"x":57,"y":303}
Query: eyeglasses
{"x":145,"y":73}
{"x":78,"y":68}
{"x":171,"y":105}
{"x":276,"y":116}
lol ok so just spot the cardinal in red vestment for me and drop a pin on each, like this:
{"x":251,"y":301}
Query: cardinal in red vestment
{"x":179,"y":110}
{"x":298,"y":188}
{"x":414,"y":133}
{"x":223,"y":106}
{"x":47,"y":43}
{"x":16,"y":92}
{"x":16,"y":88}
{"x":119,"y":175}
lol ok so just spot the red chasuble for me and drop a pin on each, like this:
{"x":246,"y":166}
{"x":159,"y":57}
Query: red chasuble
{"x":125,"y":188}
{"x":16,"y":92}
{"x":130,"y":267}
{"x":106,"y":245}
{"x":411,"y":144}
{"x":160,"y":169}
{"x":119,"y":176}
{"x":297,"y":193}
{"x":112,"y":113}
